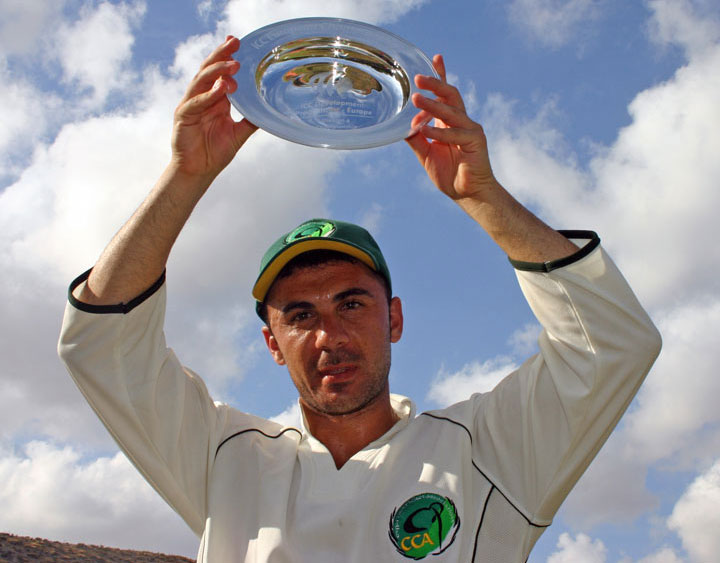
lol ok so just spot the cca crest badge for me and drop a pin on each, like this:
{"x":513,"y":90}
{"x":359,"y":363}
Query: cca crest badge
{"x":314,"y":228}
{"x":424,"y":524}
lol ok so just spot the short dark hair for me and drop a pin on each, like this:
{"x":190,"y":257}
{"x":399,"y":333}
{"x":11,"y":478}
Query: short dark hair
{"x":312,"y":259}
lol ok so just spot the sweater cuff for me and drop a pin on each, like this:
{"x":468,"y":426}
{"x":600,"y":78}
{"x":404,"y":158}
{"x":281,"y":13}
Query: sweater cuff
{"x":593,"y":241}
{"x":123,"y":308}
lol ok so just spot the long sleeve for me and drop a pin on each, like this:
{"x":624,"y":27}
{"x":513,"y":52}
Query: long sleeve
{"x":538,"y":430}
{"x":160,"y":414}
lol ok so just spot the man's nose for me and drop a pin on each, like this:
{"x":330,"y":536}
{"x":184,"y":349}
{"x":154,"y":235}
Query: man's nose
{"x":331,"y":334}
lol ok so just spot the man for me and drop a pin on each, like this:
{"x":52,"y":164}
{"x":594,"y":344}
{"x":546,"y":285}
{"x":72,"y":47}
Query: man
{"x":364,"y":479}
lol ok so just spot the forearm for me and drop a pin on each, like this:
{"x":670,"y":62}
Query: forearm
{"x":138,"y":253}
{"x":454,"y":154}
{"x":205,"y":140}
{"x":518,"y":232}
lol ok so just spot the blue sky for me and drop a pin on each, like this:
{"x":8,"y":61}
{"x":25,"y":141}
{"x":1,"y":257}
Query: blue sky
{"x":600,"y":114}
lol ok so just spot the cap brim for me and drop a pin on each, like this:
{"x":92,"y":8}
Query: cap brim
{"x":278,"y":262}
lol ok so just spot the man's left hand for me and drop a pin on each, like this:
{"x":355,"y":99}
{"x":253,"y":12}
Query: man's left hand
{"x":454,"y":151}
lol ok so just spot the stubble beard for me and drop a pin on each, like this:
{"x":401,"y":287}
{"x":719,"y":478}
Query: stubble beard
{"x":375,"y":385}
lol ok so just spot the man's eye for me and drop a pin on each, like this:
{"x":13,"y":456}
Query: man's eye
{"x":350,"y":305}
{"x":300,"y":316}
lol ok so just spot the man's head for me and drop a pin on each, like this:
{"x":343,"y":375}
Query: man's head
{"x":324,"y":294}
{"x":346,"y":239}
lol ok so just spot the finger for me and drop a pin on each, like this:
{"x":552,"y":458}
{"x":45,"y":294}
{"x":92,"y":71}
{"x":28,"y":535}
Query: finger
{"x":439,"y":66}
{"x":204,"y":101}
{"x":220,"y":59}
{"x":222,"y":52}
{"x":450,"y":115}
{"x":231,"y":84}
{"x":208,"y":76}
{"x":420,"y":119}
{"x":420,"y":146}
{"x":467,"y":140}
{"x":441,"y":89}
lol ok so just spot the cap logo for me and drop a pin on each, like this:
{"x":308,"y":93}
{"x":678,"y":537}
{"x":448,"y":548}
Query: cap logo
{"x":311,"y":229}
{"x":425,"y":524}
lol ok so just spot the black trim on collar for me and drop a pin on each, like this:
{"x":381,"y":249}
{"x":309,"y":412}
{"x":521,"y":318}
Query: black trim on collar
{"x":123,"y":308}
{"x":288,"y":429}
{"x":530,"y":522}
{"x":591,"y":236}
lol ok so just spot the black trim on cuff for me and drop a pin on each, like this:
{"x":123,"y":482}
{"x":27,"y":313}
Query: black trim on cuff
{"x":591,"y":236}
{"x":123,"y":308}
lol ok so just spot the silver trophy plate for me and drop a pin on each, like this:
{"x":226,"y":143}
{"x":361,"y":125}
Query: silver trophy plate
{"x":329,"y":82}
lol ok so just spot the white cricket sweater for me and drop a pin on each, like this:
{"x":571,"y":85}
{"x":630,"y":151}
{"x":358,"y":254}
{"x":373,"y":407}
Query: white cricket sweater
{"x":478,"y":481}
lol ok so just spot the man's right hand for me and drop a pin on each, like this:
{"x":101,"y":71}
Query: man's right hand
{"x":205,"y":137}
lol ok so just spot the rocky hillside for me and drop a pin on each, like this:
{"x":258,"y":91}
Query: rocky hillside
{"x":17,"y":549}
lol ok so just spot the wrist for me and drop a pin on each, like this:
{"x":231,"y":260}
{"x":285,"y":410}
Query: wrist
{"x":191,"y":185}
{"x":485,"y":195}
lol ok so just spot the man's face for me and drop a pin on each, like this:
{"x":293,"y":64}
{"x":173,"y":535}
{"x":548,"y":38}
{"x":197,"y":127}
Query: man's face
{"x":332,"y":327}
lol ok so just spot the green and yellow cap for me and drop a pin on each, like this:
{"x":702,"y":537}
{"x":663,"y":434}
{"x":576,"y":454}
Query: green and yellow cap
{"x":319,"y":234}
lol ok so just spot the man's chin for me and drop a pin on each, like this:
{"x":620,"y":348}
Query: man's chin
{"x":338,"y":405}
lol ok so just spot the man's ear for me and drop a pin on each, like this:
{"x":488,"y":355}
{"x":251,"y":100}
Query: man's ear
{"x":272,"y":346}
{"x":396,"y":319}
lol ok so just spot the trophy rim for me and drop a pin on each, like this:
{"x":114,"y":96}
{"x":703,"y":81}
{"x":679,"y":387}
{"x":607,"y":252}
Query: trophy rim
{"x":257,"y":46}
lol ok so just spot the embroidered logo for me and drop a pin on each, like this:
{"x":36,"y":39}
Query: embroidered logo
{"x":426,"y":523}
{"x":311,"y":229}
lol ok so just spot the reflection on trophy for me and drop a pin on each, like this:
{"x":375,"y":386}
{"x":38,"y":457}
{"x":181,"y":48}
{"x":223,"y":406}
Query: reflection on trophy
{"x":342,"y":77}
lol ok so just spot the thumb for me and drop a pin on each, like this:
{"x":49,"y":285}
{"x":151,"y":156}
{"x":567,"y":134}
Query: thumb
{"x":242,"y":131}
{"x":419,"y":145}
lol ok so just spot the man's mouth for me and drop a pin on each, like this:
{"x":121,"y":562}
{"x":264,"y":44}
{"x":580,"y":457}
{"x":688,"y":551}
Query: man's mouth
{"x":337,"y":374}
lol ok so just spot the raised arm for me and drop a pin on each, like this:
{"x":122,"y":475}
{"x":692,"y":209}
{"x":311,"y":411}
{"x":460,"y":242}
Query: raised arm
{"x":205,"y":139}
{"x":454,"y":154}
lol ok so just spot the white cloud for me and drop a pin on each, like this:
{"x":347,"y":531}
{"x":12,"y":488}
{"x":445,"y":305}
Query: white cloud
{"x":371,"y":219}
{"x":25,"y":113}
{"x":480,"y":377}
{"x":24,"y":24}
{"x":190,"y":53}
{"x":582,"y":549}
{"x":475,"y":377}
{"x":52,"y":492}
{"x":206,"y":8}
{"x":552,"y":23}
{"x":75,"y":193}
{"x":55,"y":219}
{"x":524,"y":341}
{"x":659,"y":179}
{"x":611,"y":490}
{"x":291,"y":416}
{"x":523,"y":151}
{"x":242,"y":17}
{"x":696,"y":517}
{"x":91,"y":54}
{"x":682,"y":23}
{"x":79,"y":189}
{"x":674,"y":422}
{"x":95,"y":51}
{"x":664,"y":555}
{"x":678,"y":400}
{"x":652,"y":196}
